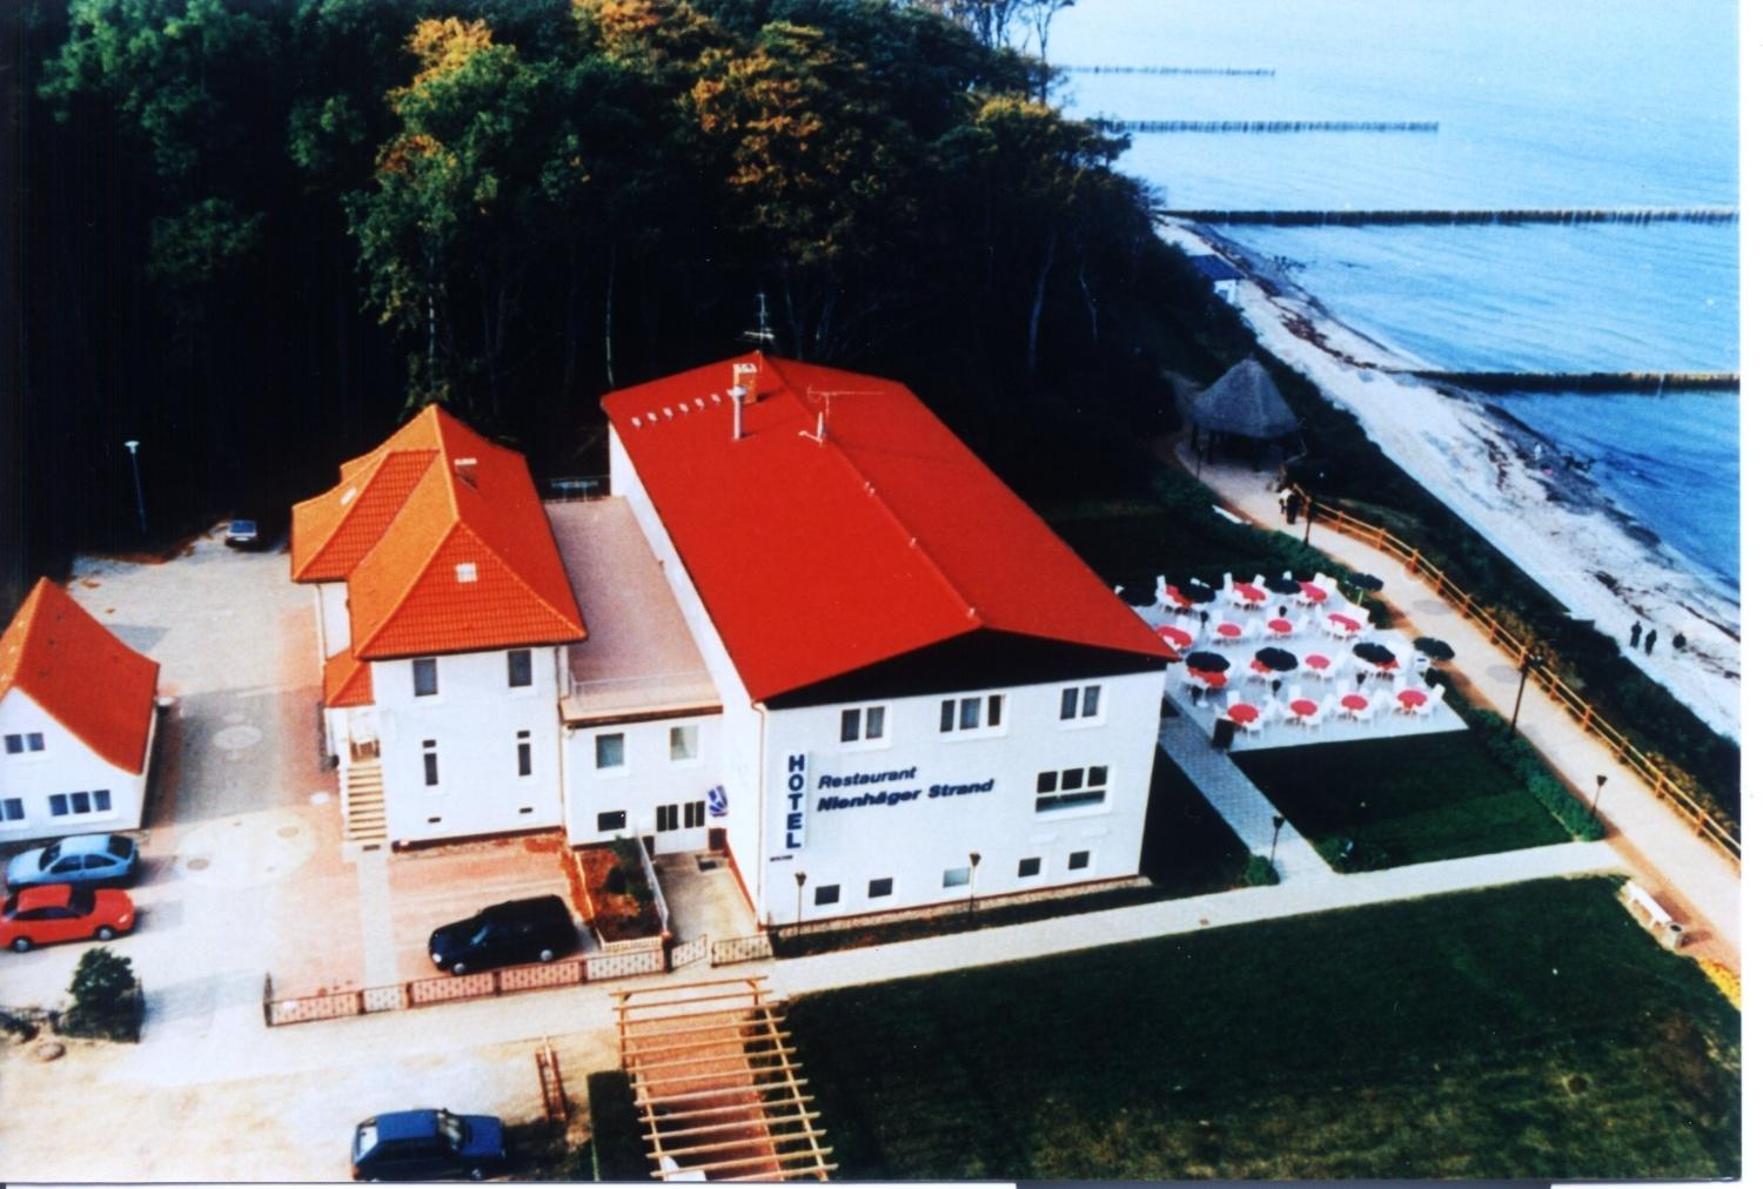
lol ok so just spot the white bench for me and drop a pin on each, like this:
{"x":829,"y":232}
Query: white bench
{"x":1652,"y":914}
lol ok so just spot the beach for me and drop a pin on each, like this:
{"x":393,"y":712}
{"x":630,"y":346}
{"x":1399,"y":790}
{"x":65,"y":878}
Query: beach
{"x":1509,"y":484}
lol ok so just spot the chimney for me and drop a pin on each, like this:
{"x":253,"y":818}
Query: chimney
{"x":743,"y":391}
{"x":466,"y":469}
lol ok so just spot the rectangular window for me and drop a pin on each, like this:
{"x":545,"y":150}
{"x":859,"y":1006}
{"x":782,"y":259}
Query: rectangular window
{"x":101,"y":800}
{"x":57,"y":804}
{"x":14,"y":745}
{"x":12,"y":810}
{"x":956,"y":877}
{"x":425,"y":677}
{"x":1070,"y":787}
{"x":431,"y":764}
{"x":523,"y":753}
{"x":1080,"y":859}
{"x":682,"y":744}
{"x":826,"y":894}
{"x":82,"y":802}
{"x":694,"y":815}
{"x":520,"y":668}
{"x":863,"y":724}
{"x":879,"y":888}
{"x":28,"y":741}
{"x":666,"y":818}
{"x":609,"y":750}
{"x":612,"y":819}
{"x":1080,"y":702}
{"x":980,"y":712}
{"x":1028,"y":868}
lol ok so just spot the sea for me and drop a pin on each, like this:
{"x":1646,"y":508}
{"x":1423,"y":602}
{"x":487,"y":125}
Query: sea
{"x":1563,"y":104}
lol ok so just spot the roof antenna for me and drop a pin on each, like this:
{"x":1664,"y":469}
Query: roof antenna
{"x":763,"y":335}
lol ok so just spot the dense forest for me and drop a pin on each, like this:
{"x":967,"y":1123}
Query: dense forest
{"x":253,"y":235}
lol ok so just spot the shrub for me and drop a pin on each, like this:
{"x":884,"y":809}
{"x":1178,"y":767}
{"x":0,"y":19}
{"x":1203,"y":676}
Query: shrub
{"x":1344,"y":854}
{"x":1258,"y":872}
{"x":106,"y":998}
{"x":1517,"y":756}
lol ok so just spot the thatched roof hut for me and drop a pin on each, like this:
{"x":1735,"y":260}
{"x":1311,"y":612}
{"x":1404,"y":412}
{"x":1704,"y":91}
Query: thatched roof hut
{"x":1245,"y":402}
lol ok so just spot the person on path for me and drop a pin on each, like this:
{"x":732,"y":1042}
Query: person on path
{"x":1652,"y":639}
{"x":1634,"y":635}
{"x":1680,"y":641}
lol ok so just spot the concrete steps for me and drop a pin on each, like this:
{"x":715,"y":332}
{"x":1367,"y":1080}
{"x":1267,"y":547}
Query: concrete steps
{"x":364,"y":805}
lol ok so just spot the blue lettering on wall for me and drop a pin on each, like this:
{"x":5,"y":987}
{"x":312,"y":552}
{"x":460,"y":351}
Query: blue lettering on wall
{"x":796,"y":783}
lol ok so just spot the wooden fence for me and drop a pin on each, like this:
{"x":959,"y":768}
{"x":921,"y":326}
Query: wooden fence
{"x":1549,"y":681}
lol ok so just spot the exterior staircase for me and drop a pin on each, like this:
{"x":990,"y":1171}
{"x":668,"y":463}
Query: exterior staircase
{"x":364,"y":805}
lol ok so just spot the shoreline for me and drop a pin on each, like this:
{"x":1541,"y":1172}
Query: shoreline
{"x":1506,"y":482}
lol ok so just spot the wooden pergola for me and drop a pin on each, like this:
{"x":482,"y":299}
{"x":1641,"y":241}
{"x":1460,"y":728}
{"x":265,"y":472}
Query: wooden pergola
{"x":718,"y":1089}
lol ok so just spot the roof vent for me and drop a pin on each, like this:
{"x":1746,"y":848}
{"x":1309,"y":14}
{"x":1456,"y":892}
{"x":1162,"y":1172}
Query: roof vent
{"x":349,"y":496}
{"x":465,"y":571}
{"x":466,"y":469}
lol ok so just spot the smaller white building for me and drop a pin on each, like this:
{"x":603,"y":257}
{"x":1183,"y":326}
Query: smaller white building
{"x":77,"y":722}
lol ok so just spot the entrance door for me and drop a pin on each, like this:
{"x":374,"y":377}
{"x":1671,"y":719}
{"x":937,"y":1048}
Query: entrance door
{"x":680,"y":827}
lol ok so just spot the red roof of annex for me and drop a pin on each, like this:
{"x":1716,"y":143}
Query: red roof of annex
{"x":445,"y":546}
{"x":818,"y":558}
{"x":82,"y":676}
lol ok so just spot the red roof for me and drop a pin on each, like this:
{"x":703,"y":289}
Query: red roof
{"x":86,"y":679}
{"x":816,"y":559}
{"x":347,"y":681}
{"x":445,"y":545}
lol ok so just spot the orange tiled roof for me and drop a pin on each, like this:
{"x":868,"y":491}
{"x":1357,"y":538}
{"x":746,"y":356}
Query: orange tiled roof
{"x":347,"y":682}
{"x":443,"y":540}
{"x":81,"y":675}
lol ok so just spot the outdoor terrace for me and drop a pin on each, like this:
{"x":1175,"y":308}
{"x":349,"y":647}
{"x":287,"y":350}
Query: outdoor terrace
{"x":639,"y":657}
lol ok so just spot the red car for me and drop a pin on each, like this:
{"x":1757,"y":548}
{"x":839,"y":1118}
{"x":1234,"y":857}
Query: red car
{"x":62,"y":912}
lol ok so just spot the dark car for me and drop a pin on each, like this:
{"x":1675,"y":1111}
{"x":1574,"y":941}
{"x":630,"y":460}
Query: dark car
{"x":539,"y":930}
{"x":94,"y":860}
{"x":426,"y":1145}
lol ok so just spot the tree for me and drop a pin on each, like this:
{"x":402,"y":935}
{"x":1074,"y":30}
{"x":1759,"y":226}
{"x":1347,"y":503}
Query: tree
{"x":106,"y":998}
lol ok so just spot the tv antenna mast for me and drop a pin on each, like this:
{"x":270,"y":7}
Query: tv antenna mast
{"x":763,"y":335}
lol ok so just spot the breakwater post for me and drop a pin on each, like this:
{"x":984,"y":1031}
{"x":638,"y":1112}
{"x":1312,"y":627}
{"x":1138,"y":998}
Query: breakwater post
{"x":1111,"y":125}
{"x":1585,"y":382}
{"x":1294,"y":218}
{"x":1226,"y":71}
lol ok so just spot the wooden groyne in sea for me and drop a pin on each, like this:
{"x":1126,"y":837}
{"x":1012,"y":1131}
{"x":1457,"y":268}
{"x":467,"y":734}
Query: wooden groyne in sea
{"x":1222,"y":71}
{"x":1155,"y":126}
{"x":1673,"y":214}
{"x":1585,"y":382}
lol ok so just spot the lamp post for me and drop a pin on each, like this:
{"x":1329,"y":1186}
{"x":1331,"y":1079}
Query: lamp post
{"x":801,"y":878}
{"x":1530,"y":658}
{"x":1309,"y":515}
{"x":134,"y":449}
{"x":972,"y":884}
{"x":1273,"y":850}
{"x":1598,"y":792}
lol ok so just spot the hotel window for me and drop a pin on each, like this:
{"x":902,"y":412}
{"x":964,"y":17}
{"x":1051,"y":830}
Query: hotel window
{"x":612,"y":819}
{"x":29,"y":741}
{"x":431,"y":764}
{"x":826,"y":894}
{"x":881,"y":888}
{"x":1069,"y":787}
{"x":12,"y":810}
{"x":523,"y":753}
{"x":1078,"y":702}
{"x":520,"y":668}
{"x":978,"y":713}
{"x":956,"y":877}
{"x":666,"y":818}
{"x":609,"y":751}
{"x":1028,"y":868}
{"x":862,"y":724}
{"x":1080,"y":859}
{"x":77,"y":804}
{"x":694,"y":815}
{"x":682,"y":744}
{"x":425,"y":678}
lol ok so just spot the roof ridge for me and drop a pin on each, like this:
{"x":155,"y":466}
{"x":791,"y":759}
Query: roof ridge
{"x":359,"y":482}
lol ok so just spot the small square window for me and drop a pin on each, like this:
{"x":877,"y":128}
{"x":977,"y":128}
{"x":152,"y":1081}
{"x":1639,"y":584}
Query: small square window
{"x":956,"y":877}
{"x":101,"y":800}
{"x":1080,"y":859}
{"x":1028,"y":868}
{"x":34,"y":741}
{"x":425,"y":677}
{"x":826,"y":894}
{"x":1098,"y":776}
{"x":1092,"y":700}
{"x":1068,"y":703}
{"x":609,"y":750}
{"x":431,"y":764}
{"x":880,"y":888}
{"x":465,"y":571}
{"x":612,"y":819}
{"x":947,"y":722}
{"x":57,"y":804}
{"x":850,"y":726}
{"x":969,"y":713}
{"x":875,"y":720}
{"x":520,"y":668}
{"x":1071,"y":778}
{"x":82,"y":802}
{"x":523,"y":753}
{"x":12,"y":810}
{"x":1047,"y":782}
{"x":682,"y":743}
{"x":14,"y":745}
{"x":995,"y":710}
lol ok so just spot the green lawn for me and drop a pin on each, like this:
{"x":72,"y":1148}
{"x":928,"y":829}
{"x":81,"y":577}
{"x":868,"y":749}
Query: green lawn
{"x":1527,"y":1032}
{"x":1425,"y":797}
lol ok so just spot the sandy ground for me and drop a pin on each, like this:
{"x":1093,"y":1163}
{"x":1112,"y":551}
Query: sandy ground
{"x":1573,"y":541}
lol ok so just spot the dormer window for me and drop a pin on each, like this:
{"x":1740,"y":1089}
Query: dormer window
{"x":465,"y":571}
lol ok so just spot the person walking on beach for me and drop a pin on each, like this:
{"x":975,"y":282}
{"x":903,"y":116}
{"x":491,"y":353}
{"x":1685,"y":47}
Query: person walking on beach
{"x":1652,"y":639}
{"x":1634,"y":635}
{"x":1679,"y":641}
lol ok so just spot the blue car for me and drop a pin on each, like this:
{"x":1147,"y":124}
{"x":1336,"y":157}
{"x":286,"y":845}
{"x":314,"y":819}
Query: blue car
{"x":427,"y":1145}
{"x":89,"y":860}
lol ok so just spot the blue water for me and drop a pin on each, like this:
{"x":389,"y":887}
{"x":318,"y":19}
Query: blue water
{"x":1564,"y":103}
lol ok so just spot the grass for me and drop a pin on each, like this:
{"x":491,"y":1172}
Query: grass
{"x":1524,"y":1032}
{"x":1426,"y":797}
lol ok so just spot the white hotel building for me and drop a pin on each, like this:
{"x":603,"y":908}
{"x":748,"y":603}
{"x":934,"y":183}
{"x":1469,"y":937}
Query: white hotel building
{"x":808,"y":629}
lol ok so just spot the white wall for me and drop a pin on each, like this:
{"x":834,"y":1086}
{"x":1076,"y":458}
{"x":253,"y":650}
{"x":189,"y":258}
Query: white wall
{"x":649,"y":778}
{"x":742,"y":728}
{"x":65,"y":765}
{"x":914,"y":840}
{"x":473,"y":720}
{"x":333,"y":617}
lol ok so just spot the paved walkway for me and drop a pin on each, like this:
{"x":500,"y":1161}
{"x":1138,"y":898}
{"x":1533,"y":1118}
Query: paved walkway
{"x":1238,"y":801}
{"x":1697,"y":884}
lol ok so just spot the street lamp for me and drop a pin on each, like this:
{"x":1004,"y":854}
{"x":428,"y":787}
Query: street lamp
{"x":801,"y":878}
{"x":1524,"y":666}
{"x":1278,"y":821}
{"x":1599,"y":792}
{"x":134,"y":449}
{"x":1309,"y":515}
{"x":972,"y":884}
